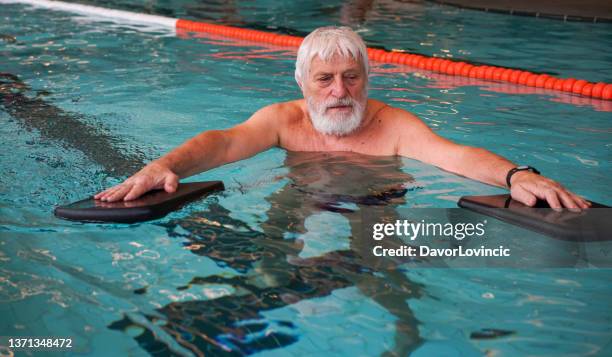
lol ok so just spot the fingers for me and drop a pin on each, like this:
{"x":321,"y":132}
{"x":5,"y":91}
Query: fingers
{"x":107,"y":193}
{"x":135,"y":192}
{"x":104,"y":193}
{"x":524,"y":196}
{"x":582,"y":203}
{"x":552,"y":199}
{"x":568,"y":199}
{"x":555,"y":194}
{"x":125,"y":191}
{"x":118,"y":194}
{"x":136,"y":186}
{"x":152,"y":176}
{"x":171,"y":183}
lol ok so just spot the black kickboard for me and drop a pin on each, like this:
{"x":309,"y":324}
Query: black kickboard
{"x":586,"y":226}
{"x":152,"y":205}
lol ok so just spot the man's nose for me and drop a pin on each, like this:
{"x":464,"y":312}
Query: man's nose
{"x":339,"y":89}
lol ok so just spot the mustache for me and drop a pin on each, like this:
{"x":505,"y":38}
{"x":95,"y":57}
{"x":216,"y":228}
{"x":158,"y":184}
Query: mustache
{"x":338,"y":103}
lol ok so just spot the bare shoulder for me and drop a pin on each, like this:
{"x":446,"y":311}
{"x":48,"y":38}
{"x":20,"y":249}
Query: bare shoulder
{"x":391,"y":113}
{"x":266,"y":126}
{"x":289,"y":108}
{"x":292,"y":111}
{"x":280,"y":114}
{"x":393,"y":118}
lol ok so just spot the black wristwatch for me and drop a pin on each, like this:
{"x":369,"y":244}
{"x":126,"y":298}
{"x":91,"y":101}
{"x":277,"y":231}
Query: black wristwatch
{"x":517,"y":169}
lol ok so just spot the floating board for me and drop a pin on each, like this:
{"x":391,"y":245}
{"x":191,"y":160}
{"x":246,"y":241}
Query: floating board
{"x":152,"y":205}
{"x":587,"y":225}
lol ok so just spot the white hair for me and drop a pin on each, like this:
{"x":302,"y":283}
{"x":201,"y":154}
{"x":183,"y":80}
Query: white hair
{"x":326,"y":42}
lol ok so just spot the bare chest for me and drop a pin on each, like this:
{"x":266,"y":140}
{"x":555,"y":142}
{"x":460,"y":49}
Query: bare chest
{"x":371,"y":140}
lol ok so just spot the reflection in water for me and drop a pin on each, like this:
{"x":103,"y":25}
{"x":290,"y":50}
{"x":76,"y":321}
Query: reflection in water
{"x":8,"y":38}
{"x":53,"y":123}
{"x":355,"y":12}
{"x":273,"y":276}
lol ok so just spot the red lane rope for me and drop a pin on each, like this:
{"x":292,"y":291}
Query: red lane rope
{"x":598,"y":90}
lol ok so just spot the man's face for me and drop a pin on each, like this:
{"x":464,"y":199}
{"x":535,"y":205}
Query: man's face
{"x":336,"y":95}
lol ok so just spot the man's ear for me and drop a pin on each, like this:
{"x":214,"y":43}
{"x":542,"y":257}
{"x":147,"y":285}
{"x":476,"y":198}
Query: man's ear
{"x":300,"y":84}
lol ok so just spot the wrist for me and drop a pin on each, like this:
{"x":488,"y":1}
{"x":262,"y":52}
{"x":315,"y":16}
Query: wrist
{"x":519,"y":172}
{"x":160,"y":164}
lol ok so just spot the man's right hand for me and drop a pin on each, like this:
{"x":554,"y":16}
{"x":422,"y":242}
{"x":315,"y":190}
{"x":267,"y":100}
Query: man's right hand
{"x":151,"y":177}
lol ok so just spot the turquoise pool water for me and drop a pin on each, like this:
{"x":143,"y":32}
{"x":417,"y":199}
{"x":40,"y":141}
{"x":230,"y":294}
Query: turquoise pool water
{"x":264,"y":268}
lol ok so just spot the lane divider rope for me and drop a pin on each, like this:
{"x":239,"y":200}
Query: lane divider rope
{"x":582,"y":87}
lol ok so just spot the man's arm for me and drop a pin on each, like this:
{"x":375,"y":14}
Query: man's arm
{"x":418,"y":141}
{"x":203,"y":152}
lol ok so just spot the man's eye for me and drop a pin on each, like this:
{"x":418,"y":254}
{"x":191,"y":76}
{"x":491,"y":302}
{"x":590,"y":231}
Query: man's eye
{"x":325,"y":79}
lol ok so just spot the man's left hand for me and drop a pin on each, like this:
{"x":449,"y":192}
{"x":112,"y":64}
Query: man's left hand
{"x":527,"y":187}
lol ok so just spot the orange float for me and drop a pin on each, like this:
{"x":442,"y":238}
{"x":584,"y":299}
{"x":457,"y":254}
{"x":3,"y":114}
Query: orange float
{"x":597,"y":89}
{"x":568,"y":84}
{"x":497,"y":73}
{"x":465,"y":71}
{"x":489,"y":72}
{"x":541,"y":80}
{"x":558,"y":85}
{"x":606,"y":93}
{"x":444,"y":65}
{"x":550,"y":82}
{"x":458,"y":67}
{"x":531,"y":80}
{"x":522,"y":79}
{"x":505,"y":76}
{"x":578,"y":85}
{"x":587,"y":90}
{"x":514,"y":76}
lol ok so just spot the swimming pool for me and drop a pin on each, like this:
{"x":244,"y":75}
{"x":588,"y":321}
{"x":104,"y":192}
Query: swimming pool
{"x":260,"y":268}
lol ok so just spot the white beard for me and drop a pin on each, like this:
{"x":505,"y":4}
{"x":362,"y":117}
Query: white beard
{"x":339,"y":124}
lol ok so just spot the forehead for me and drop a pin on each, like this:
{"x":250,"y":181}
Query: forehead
{"x":335,"y":64}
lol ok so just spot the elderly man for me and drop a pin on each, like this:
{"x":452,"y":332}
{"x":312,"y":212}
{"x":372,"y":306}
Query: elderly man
{"x":336,"y":115}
